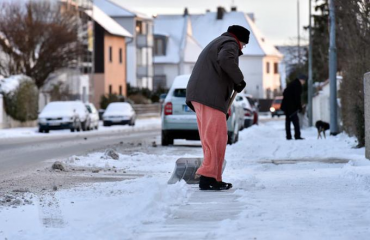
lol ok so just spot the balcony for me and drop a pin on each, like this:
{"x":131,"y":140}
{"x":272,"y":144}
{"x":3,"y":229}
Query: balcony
{"x":144,"y":71}
{"x":144,"y":41}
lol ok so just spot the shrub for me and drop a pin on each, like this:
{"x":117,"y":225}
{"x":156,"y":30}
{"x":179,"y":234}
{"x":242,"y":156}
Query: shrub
{"x":22,"y":104}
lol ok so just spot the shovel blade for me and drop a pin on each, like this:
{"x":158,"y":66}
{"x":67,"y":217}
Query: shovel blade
{"x":186,"y":168}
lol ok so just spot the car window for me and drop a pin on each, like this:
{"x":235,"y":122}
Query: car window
{"x":251,"y":101}
{"x":277,"y":101}
{"x":180,"y":92}
{"x":119,"y":107}
{"x":89,"y":109}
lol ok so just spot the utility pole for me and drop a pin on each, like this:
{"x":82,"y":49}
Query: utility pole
{"x":299,"y":37}
{"x":310,"y":82}
{"x":333,"y":72}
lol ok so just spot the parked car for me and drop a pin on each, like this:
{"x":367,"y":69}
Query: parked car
{"x":94,"y":116}
{"x":179,"y":121}
{"x":275,"y":107}
{"x":255,"y":108}
{"x":60,"y":115}
{"x":247,"y":114}
{"x":119,"y":113}
{"x":83,"y":114}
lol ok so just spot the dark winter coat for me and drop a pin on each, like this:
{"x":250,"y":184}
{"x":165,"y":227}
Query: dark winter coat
{"x":292,"y":98}
{"x":215,"y":73}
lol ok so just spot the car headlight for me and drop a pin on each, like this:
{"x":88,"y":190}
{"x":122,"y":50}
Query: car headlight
{"x":272,"y":109}
{"x":42,"y":120}
{"x":67,"y":119}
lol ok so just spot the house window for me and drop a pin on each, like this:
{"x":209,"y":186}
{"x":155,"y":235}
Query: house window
{"x":160,"y":45}
{"x":110,"y":54}
{"x":120,"y":90}
{"x":267,"y":67}
{"x":276,"y":68}
{"x":120,"y":55}
{"x":110,"y":89}
{"x":139,"y":27}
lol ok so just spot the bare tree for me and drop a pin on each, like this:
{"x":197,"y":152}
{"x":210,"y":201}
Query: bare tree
{"x":354,"y":48}
{"x":37,"y":38}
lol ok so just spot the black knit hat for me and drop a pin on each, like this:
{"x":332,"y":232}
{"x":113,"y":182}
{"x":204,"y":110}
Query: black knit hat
{"x":302,"y":77}
{"x":240,"y":32}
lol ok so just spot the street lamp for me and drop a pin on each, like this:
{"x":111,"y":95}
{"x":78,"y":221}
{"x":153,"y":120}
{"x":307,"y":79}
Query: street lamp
{"x":310,"y":82}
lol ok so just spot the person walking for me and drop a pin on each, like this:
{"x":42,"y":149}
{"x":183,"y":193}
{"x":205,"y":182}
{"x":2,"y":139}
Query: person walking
{"x":291,"y":105}
{"x":215,"y":75}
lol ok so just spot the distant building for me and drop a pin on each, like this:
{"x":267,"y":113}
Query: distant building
{"x":179,"y":39}
{"x":110,"y":56}
{"x":140,"y":47}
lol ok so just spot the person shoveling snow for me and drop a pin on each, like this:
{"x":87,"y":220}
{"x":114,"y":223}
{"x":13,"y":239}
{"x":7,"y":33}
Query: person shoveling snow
{"x":215,"y":75}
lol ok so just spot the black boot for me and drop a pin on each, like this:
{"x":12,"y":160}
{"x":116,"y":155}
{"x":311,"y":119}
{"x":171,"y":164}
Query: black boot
{"x":208,"y":183}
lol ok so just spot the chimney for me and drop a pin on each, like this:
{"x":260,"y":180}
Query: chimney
{"x":251,"y":16}
{"x":186,"y":12}
{"x":234,"y":9}
{"x":220,"y":13}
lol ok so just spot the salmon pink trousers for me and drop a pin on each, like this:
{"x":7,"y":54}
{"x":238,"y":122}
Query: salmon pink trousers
{"x":212,"y":128}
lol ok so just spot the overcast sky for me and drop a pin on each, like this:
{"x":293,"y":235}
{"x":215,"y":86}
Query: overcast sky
{"x":277,"y":19}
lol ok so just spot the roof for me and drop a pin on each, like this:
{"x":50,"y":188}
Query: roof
{"x":205,"y":28}
{"x":107,"y":23}
{"x":178,"y":31}
{"x":115,"y":8}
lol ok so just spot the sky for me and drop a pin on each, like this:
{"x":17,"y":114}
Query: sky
{"x":277,"y":19}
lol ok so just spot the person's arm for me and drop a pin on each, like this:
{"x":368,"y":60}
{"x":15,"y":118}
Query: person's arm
{"x":228,"y":60}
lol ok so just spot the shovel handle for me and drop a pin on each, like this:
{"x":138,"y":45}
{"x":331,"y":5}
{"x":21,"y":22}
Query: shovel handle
{"x":232,"y":99}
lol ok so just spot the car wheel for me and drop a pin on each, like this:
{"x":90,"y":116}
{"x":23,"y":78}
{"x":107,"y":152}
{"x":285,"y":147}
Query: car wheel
{"x":230,"y":137}
{"x":84,"y":126}
{"x":166,"y":139}
{"x":72,"y":129}
{"x":41,"y":130}
{"x":105,"y":124}
{"x":96,"y":127}
{"x":46,"y":130}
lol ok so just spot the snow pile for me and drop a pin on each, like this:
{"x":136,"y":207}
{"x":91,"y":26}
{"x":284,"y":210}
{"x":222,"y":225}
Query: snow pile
{"x":10,"y":84}
{"x":87,"y":212}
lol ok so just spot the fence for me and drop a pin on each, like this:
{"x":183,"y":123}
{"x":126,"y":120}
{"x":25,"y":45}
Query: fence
{"x":147,"y":110}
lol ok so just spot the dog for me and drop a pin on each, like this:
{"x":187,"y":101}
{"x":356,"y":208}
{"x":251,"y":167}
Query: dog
{"x":321,"y":128}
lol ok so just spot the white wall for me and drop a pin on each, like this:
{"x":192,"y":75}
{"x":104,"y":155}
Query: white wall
{"x":271,"y":80}
{"x":251,"y":68}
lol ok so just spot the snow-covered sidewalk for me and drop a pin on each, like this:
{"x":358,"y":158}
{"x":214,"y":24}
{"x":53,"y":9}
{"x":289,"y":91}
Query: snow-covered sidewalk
{"x":311,"y":189}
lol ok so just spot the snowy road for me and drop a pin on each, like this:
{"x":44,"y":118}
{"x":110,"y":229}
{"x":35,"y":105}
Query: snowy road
{"x":311,"y":189}
{"x":24,"y":148}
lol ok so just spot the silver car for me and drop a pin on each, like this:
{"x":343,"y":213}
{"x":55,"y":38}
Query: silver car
{"x":179,"y":121}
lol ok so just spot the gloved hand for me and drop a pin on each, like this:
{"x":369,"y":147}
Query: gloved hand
{"x":239,"y":87}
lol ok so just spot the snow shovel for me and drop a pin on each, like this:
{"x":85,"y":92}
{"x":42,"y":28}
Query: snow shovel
{"x":186,"y":168}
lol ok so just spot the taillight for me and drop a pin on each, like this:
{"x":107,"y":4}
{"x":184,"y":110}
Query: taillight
{"x":229,"y":112}
{"x":168,"y":109}
{"x":248,"y":113}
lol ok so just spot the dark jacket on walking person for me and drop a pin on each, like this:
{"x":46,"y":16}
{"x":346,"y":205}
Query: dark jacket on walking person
{"x":291,"y":105}
{"x":215,"y":75}
{"x":292,"y":97}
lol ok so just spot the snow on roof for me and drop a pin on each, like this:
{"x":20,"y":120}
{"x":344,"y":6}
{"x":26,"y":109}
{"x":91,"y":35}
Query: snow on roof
{"x":175,"y":27}
{"x":11,"y":83}
{"x":116,"y":9}
{"x":205,"y":28}
{"x":107,"y":23}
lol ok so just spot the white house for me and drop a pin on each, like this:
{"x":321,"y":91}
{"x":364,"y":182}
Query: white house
{"x":140,"y":47}
{"x":179,"y":39}
{"x":321,"y":102}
